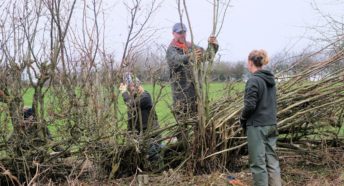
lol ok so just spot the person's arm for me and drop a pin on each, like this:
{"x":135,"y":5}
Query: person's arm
{"x":174,"y":58}
{"x":130,"y":122}
{"x":202,"y":55}
{"x":212,"y":49}
{"x":129,"y":100}
{"x":250,"y":100}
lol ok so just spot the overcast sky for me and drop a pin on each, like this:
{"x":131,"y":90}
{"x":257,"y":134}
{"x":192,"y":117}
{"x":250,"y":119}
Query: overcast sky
{"x":274,"y":25}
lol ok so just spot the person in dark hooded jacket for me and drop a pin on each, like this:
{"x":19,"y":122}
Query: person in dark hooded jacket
{"x":141,"y":113}
{"x":259,"y":120}
{"x":142,"y":117}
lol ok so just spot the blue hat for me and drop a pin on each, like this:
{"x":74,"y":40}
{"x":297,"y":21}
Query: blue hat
{"x":179,"y":27}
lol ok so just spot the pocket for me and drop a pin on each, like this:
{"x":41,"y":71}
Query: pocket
{"x":273,"y":131}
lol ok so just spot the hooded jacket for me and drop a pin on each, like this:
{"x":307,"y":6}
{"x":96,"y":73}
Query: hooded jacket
{"x":260,"y":106}
{"x":141,"y":114}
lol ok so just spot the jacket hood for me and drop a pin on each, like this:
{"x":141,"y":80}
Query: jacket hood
{"x":267,"y":76}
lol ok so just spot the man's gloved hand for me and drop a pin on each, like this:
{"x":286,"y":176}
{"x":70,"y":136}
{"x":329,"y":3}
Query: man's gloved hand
{"x":123,"y":88}
{"x":212,"y":40}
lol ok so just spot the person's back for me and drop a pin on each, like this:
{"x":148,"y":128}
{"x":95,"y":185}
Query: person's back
{"x":142,"y":117}
{"x":265,"y":110}
{"x":141,"y":114}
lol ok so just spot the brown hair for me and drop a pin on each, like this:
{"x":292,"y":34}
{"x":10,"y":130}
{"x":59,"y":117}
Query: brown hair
{"x":259,"y":57}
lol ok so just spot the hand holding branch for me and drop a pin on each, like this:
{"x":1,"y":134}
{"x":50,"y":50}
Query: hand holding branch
{"x":212,"y":40}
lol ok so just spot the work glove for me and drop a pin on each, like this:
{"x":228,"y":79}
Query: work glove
{"x":212,"y":40}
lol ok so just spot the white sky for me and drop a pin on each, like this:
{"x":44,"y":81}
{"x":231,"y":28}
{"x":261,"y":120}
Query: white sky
{"x":274,"y":25}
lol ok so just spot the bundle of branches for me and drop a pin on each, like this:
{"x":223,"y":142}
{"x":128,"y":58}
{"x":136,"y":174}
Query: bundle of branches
{"x":309,"y":112}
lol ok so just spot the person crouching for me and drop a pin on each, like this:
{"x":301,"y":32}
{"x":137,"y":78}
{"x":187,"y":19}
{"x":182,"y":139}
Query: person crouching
{"x":142,"y":117}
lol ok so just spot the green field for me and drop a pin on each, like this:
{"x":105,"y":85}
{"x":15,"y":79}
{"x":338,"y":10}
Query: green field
{"x":162,"y":97}
{"x":163,"y":101}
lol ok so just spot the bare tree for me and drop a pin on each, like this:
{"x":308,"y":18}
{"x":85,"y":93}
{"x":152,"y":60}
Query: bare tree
{"x":237,"y":71}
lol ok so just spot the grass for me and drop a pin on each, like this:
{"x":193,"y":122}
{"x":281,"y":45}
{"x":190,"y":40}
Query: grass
{"x":163,"y":100}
